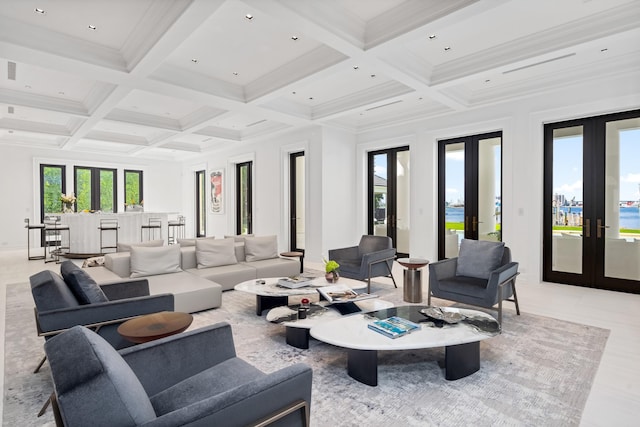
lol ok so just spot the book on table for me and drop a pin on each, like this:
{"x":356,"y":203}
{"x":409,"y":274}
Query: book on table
{"x":393,"y":327}
{"x":294,"y":282}
{"x":336,"y":294}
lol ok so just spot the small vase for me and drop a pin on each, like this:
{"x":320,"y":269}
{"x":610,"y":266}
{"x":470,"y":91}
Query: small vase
{"x":332,"y":277}
{"x":67,"y":207}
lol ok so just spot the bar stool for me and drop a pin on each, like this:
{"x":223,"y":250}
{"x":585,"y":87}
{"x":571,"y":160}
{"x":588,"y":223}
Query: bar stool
{"x":153,"y":225}
{"x":53,"y":233}
{"x":176,"y":229}
{"x":108,"y":225}
{"x":30,"y":227}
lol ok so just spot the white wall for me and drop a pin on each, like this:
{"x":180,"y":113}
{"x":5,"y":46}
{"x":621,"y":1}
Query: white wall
{"x":19,"y":192}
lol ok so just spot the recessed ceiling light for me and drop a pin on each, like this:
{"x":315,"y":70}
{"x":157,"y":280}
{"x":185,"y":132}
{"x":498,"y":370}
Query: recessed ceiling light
{"x":194,"y":60}
{"x":604,"y":50}
{"x":294,"y":92}
{"x":355,"y":67}
{"x":235,"y":73}
{"x":294,"y":38}
{"x":40,"y":11}
{"x":27,"y":86}
{"x":447,"y":48}
{"x":373,"y":76}
{"x":60,"y":93}
{"x":311,"y":98}
{"x":92,"y":27}
{"x":487,"y":80}
{"x":10,"y":131}
{"x":432,"y":36}
{"x":249,"y":16}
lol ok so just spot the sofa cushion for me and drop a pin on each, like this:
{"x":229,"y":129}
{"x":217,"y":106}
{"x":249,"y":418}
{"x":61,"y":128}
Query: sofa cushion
{"x":85,"y":289}
{"x":192,"y":241}
{"x":50,"y":292}
{"x":126,"y":247}
{"x":149,"y":261}
{"x":93,"y":381}
{"x":479,"y":258}
{"x":262,"y":247}
{"x":216,"y":380}
{"x":215,"y":252}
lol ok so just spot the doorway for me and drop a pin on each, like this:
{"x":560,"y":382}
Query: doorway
{"x":592,"y":202}
{"x":297,"y":201}
{"x":388,"y":200}
{"x":469,"y":191}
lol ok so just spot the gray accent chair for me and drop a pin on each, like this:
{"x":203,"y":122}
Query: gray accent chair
{"x":373,"y":257}
{"x":193,"y":379}
{"x":482,"y":275}
{"x":74,"y":298}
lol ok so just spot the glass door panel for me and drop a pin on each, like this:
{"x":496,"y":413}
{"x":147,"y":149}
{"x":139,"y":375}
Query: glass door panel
{"x":380,"y":195}
{"x":621,"y":223}
{"x":297,"y":201}
{"x":489,"y":183}
{"x":403,"y":204}
{"x":567,"y":204}
{"x":454,"y":199}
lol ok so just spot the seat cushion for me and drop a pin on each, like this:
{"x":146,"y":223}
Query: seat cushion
{"x":219,"y":378}
{"x":149,"y":261}
{"x":93,"y":383}
{"x":83,"y":286}
{"x":479,"y":258}
{"x":215,"y":252}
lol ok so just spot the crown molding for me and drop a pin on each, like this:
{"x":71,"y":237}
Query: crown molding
{"x":142,"y":119}
{"x":43,"y":102}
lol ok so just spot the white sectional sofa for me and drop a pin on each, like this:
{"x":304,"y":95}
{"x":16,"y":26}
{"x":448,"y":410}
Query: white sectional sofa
{"x":198,"y":270}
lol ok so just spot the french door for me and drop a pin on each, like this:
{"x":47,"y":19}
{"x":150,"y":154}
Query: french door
{"x":388,"y":199}
{"x":592,"y":202}
{"x":296,"y":201}
{"x":469,"y":191}
{"x":201,"y":203}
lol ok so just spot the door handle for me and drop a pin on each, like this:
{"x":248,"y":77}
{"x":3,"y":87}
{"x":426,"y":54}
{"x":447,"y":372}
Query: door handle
{"x":474,"y":221}
{"x":587,"y":227}
{"x":599,"y":228}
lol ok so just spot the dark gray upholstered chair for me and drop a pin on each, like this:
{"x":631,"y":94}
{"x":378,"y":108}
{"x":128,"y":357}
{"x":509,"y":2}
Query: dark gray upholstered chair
{"x":75,"y":299}
{"x":373,"y":257}
{"x":482,"y":275}
{"x":193,"y":378}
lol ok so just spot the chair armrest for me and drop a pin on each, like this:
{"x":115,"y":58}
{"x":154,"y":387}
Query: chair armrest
{"x":55,"y":321}
{"x":180,"y":356}
{"x":344,"y":253}
{"x":379,"y":256}
{"x":246,"y":404}
{"x":443,"y":269}
{"x":126,"y":289}
{"x":502,"y":275}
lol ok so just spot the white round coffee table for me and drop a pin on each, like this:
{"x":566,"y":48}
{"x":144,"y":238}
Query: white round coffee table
{"x":269,"y":294}
{"x":461,"y":340}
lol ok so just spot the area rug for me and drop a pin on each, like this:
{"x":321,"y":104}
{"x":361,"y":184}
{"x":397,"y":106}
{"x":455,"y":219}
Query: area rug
{"x":539,"y":371}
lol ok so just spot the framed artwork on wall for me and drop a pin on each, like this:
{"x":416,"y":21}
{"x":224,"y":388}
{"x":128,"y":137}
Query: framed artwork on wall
{"x":216,"y":178}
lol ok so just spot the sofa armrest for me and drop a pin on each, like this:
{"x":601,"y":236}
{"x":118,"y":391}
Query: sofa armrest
{"x":119,"y":263}
{"x":344,"y":253}
{"x":126,"y":289}
{"x":248,"y":403}
{"x":181,"y":356}
{"x":55,"y":321}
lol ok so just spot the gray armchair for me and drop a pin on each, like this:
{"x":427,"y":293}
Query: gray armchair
{"x":193,"y":378}
{"x":75,"y":299}
{"x":482,"y":275}
{"x":373,"y":257}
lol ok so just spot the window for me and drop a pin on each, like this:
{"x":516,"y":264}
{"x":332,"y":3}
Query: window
{"x":133,"y":187}
{"x":243,"y":198}
{"x":95,"y":189}
{"x":52,"y":186}
{"x":201,"y":204}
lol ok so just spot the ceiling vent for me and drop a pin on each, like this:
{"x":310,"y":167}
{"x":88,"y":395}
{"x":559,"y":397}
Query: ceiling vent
{"x":11,"y":70}
{"x":10,"y":110}
{"x":383,"y":105}
{"x":539,"y":63}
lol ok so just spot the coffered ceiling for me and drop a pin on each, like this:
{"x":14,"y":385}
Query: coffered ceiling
{"x":174,"y":79}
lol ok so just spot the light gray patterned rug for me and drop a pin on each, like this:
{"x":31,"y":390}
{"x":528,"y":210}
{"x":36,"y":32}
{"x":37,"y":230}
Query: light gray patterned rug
{"x":538,"y":372}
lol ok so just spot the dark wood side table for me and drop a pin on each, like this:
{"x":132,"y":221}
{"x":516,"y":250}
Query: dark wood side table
{"x":295,"y":254}
{"x":155,"y":326}
{"x":412,"y":289}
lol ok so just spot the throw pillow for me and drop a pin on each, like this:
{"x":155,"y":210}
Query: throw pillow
{"x":262,"y":247}
{"x":215,"y":252}
{"x":126,"y":247}
{"x":239,"y":237}
{"x":479,"y":258}
{"x":83,"y":287}
{"x":150,"y":261}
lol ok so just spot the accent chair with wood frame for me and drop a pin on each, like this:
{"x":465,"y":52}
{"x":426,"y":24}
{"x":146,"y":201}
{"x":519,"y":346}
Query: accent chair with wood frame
{"x":482,"y":275}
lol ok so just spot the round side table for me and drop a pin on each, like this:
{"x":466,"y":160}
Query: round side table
{"x":412,"y":291}
{"x":295,"y":254}
{"x":154,"y":326}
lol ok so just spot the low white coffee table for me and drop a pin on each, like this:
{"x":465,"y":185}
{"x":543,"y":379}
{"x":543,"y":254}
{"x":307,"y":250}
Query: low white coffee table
{"x":461,"y":341}
{"x":297,"y":331}
{"x":270,"y":295}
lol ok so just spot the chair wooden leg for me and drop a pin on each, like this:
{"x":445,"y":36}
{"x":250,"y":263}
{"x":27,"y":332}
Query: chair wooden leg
{"x":391,"y":274}
{"x":46,"y":405}
{"x":40,"y":364}
{"x":500,"y":312}
{"x":515,"y":297}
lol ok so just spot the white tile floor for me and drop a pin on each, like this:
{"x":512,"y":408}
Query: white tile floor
{"x":615,"y":395}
